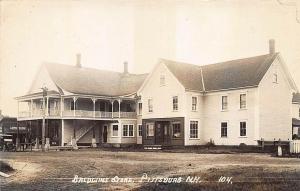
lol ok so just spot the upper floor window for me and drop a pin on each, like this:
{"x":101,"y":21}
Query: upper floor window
{"x":194,"y":103}
{"x":150,"y":105}
{"x":242,"y":101}
{"x":176,"y":130}
{"x":140,"y":130}
{"x":243,"y":131}
{"x":127,"y":130}
{"x":175,"y":103}
{"x":140,"y":108}
{"x":224,"y":129}
{"x":224,"y":102}
{"x":162,"y":80}
{"x":194,"y":129}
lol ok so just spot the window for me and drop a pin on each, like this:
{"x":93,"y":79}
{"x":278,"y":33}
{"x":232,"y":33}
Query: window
{"x":140,"y":108}
{"x":194,"y":129}
{"x":194,"y":103}
{"x":243,"y":101}
{"x":150,"y":129}
{"x":175,"y":103}
{"x":275,"y":78}
{"x":242,"y":129}
{"x":127,"y":130}
{"x":224,"y":103}
{"x":115,"y":131}
{"x":299,"y":114}
{"x":140,"y":133}
{"x":150,"y":105}
{"x":162,"y":80}
{"x":176,"y":130}
{"x":223,"y":129}
{"x":72,"y":105}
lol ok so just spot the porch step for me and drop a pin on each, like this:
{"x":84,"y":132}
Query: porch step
{"x":152,"y":147}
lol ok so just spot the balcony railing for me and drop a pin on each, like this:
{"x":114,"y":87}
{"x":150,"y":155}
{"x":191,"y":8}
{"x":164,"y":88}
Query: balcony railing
{"x":78,"y":114}
{"x":24,"y":114}
{"x":54,"y":112}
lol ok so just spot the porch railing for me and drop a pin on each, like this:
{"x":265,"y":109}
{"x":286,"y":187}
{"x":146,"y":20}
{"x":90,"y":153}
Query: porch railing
{"x":84,"y":113}
{"x":24,"y":114}
{"x":103,"y":114}
{"x":54,"y":112}
{"x":79,"y":113}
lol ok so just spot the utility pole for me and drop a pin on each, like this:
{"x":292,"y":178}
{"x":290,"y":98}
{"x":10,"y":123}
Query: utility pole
{"x":45,"y":89}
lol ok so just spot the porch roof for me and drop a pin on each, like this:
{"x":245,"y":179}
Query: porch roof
{"x":78,"y":80}
{"x":296,"y":122}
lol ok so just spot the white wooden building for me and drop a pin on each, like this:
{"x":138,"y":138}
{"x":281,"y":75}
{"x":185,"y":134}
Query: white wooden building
{"x":229,"y":103}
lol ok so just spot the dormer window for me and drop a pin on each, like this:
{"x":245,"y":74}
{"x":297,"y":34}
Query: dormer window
{"x":162,"y":80}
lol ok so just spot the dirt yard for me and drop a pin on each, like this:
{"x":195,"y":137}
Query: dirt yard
{"x":56,"y":170}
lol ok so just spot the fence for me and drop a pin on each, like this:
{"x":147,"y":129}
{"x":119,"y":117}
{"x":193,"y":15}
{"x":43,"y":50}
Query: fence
{"x":295,"y":146}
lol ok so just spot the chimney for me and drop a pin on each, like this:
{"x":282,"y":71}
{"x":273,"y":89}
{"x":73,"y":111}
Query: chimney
{"x":78,"y":60}
{"x":125,"y":68}
{"x":271,"y":46}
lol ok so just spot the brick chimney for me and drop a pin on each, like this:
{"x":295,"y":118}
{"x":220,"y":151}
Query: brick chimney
{"x":78,"y":60}
{"x":271,"y":46}
{"x":125,"y":68}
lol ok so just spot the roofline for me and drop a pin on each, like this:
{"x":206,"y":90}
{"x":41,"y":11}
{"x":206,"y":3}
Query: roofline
{"x":228,"y":89}
{"x":289,"y":76}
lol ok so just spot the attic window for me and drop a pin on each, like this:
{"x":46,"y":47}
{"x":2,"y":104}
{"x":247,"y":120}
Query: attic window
{"x":162,"y":80}
{"x":275,"y":78}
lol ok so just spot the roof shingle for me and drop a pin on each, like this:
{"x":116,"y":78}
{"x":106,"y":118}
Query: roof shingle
{"x":233,"y":74}
{"x":94,"y":82}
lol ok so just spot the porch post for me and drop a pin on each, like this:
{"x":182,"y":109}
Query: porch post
{"x":94,"y":106}
{"x":62,"y":106}
{"x":31,"y":105}
{"x":119,"y":101}
{"x":74,"y":100}
{"x":62,"y":132}
{"x":18,"y":108}
{"x":112,"y":108}
{"x":47,"y":107}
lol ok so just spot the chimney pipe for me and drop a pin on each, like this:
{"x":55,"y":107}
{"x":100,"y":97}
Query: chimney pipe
{"x":78,"y":60}
{"x":271,"y":46}
{"x":125,"y":68}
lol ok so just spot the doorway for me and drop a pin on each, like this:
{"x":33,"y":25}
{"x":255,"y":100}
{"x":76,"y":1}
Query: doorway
{"x":104,"y":134}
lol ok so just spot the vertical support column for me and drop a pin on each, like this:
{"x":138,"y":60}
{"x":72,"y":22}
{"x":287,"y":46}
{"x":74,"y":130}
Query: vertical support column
{"x":62,"y":132}
{"x":119,"y":101}
{"x":47,"y":107}
{"x":18,"y":108}
{"x":31,"y":108}
{"x":112,"y":108}
{"x":74,"y":102}
{"x":62,"y":106}
{"x":94,"y":106}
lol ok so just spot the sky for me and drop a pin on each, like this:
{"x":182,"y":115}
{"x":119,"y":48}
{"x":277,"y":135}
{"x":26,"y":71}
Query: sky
{"x":108,"y":32}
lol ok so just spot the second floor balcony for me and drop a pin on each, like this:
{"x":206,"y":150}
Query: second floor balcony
{"x":76,"y":107}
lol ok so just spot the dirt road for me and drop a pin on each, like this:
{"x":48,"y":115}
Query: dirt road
{"x":56,"y":170}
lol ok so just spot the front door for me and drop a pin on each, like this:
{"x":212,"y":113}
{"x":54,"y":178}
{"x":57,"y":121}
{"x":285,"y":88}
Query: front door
{"x":159,"y":134}
{"x":105,"y":134}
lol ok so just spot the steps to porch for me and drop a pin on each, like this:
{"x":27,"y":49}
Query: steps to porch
{"x":152,"y":147}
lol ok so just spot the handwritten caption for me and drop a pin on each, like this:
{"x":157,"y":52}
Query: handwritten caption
{"x":147,"y":179}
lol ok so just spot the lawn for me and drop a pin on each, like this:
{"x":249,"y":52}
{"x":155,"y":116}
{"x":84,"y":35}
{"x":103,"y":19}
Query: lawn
{"x":123,"y":170}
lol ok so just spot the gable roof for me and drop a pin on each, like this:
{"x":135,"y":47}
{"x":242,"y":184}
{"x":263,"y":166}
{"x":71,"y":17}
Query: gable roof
{"x":296,"y":98}
{"x":78,"y":80}
{"x":246,"y":72}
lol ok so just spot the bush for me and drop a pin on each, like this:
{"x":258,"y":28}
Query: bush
{"x":211,"y":143}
